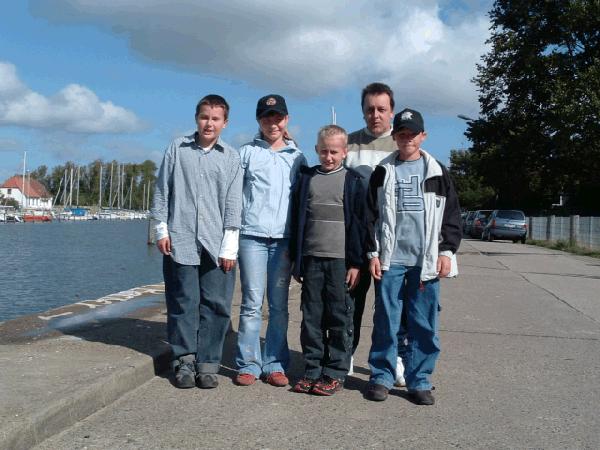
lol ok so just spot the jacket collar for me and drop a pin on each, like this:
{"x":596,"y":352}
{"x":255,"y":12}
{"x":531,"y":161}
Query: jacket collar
{"x":433,"y":168}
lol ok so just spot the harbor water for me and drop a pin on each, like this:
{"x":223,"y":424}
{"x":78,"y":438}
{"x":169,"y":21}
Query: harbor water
{"x":53,"y":264}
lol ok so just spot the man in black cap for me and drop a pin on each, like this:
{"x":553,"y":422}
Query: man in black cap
{"x":413,"y":222}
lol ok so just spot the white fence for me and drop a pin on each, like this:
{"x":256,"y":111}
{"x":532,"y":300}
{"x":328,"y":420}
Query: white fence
{"x":581,"y":231}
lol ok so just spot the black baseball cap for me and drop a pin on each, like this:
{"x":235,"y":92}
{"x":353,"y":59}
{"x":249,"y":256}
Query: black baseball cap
{"x":271,"y":103}
{"x":408,"y":118}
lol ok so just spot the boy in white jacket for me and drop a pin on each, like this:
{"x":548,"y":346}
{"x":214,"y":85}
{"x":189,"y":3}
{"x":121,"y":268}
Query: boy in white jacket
{"x":413,"y":233}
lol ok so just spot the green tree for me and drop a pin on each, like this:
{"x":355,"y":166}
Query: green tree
{"x":538,"y":135}
{"x":472,"y":192}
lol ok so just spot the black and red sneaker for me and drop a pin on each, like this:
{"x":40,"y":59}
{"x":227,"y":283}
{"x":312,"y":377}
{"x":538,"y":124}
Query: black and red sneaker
{"x":304,"y":385}
{"x":327,"y":386}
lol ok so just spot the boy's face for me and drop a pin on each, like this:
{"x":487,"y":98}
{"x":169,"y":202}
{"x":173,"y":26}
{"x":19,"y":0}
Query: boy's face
{"x":378,"y":113}
{"x":331,"y":150}
{"x":409,"y":143}
{"x":211,"y":121}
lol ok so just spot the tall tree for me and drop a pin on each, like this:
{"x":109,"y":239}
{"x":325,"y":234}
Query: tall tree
{"x":538,"y":135}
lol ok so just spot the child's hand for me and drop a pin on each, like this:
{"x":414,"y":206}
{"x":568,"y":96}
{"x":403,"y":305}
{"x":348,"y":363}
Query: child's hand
{"x":375,"y":268}
{"x":443,"y":266}
{"x":164,"y":245}
{"x":352,"y":277}
{"x":226,"y":264}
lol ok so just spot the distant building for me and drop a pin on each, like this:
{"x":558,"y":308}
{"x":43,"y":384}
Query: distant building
{"x":34,"y":194}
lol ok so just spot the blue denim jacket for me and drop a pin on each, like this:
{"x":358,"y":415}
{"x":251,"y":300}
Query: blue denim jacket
{"x":269,"y":177}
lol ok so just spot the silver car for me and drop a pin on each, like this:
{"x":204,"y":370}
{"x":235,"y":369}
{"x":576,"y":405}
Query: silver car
{"x":506,"y":224}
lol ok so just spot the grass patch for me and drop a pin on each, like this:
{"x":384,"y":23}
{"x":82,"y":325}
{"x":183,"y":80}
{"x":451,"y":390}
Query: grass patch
{"x":566,"y":247}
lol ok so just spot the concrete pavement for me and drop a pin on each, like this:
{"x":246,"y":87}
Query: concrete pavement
{"x":520,"y":368}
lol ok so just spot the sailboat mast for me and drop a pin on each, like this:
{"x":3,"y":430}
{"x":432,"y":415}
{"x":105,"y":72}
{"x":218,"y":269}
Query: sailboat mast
{"x":110,"y":187}
{"x":24,"y":202}
{"x":77,"y":202}
{"x":100,"y":190}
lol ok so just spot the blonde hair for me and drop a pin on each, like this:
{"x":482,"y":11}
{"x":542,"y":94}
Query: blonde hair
{"x":331,"y":130}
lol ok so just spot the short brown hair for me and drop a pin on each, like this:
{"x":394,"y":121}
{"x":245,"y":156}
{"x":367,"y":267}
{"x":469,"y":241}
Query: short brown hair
{"x":377,"y":89}
{"x":213,"y":100}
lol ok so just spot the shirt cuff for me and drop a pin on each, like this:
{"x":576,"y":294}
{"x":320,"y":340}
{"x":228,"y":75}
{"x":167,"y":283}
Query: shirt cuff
{"x":162,"y":230}
{"x":371,"y":255}
{"x":230,"y":243}
{"x":447,"y":253}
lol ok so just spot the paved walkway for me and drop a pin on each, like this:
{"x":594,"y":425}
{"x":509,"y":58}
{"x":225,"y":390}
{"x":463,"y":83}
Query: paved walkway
{"x":520,"y":368}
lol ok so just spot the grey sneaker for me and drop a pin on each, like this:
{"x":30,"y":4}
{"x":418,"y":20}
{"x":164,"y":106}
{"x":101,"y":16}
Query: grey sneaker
{"x":400,"y":381}
{"x":184,"y":372}
{"x":207,"y":380}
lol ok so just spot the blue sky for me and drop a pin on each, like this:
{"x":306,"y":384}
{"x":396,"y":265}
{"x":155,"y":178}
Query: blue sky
{"x":84,"y":79}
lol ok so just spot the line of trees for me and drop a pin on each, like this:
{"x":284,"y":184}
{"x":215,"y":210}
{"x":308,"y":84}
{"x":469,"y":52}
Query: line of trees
{"x":133,"y":183}
{"x":537,"y":138}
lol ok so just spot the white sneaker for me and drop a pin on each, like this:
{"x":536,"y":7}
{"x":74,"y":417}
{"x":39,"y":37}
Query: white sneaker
{"x":351,"y":370}
{"x":400,"y":381}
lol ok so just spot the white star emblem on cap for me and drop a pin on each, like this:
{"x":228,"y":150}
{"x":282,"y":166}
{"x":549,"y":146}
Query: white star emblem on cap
{"x":406,"y":115}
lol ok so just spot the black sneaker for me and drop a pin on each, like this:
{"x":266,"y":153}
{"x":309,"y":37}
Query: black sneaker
{"x":377,"y":392}
{"x":184,"y":372}
{"x":422,"y":397}
{"x":207,"y":380}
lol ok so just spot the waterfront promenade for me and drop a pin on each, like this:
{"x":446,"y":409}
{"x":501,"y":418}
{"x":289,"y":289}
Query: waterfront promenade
{"x":520,"y":368}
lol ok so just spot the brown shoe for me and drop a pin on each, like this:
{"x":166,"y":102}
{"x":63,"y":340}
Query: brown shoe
{"x":277,"y":379}
{"x":245,"y":379}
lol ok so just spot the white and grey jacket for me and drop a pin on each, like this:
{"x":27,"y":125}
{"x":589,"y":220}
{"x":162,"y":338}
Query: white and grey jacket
{"x":442,"y":215}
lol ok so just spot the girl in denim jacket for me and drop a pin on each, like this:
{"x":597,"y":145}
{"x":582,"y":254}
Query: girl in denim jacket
{"x":271,"y":163}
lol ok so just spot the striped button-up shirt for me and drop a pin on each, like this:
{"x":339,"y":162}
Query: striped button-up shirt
{"x":198,"y":194}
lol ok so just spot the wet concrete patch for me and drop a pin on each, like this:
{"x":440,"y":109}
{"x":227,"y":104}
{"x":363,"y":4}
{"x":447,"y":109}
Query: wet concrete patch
{"x":140,"y":302}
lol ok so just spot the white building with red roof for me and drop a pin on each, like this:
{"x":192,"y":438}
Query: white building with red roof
{"x":31,"y":194}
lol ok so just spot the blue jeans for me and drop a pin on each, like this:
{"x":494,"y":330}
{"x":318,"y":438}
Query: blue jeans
{"x":264,"y":262}
{"x":401,"y":287}
{"x":198,"y":310}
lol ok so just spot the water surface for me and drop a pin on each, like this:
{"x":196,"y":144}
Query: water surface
{"x":46,"y":265}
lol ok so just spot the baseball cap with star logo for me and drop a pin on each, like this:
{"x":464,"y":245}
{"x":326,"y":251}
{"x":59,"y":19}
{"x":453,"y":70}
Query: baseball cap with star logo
{"x":408,"y":118}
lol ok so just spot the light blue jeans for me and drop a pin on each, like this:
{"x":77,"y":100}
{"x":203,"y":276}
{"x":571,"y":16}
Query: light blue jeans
{"x":263,"y":262}
{"x":400,"y":287}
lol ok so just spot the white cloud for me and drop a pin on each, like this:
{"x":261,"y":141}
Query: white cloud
{"x":74,"y":108}
{"x":304,"y":48}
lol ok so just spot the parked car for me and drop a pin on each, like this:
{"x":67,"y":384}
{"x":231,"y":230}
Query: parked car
{"x":506,"y":224}
{"x":468,"y":222}
{"x":480,"y":220}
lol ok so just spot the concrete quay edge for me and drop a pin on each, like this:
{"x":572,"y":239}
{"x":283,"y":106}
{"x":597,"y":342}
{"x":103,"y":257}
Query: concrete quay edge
{"x":43,"y":421}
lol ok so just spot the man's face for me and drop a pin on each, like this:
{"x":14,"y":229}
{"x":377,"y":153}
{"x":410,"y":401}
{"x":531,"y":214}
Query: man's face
{"x":378,"y":113}
{"x":409,"y":143}
{"x":211,"y":121}
{"x":332,"y":150}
